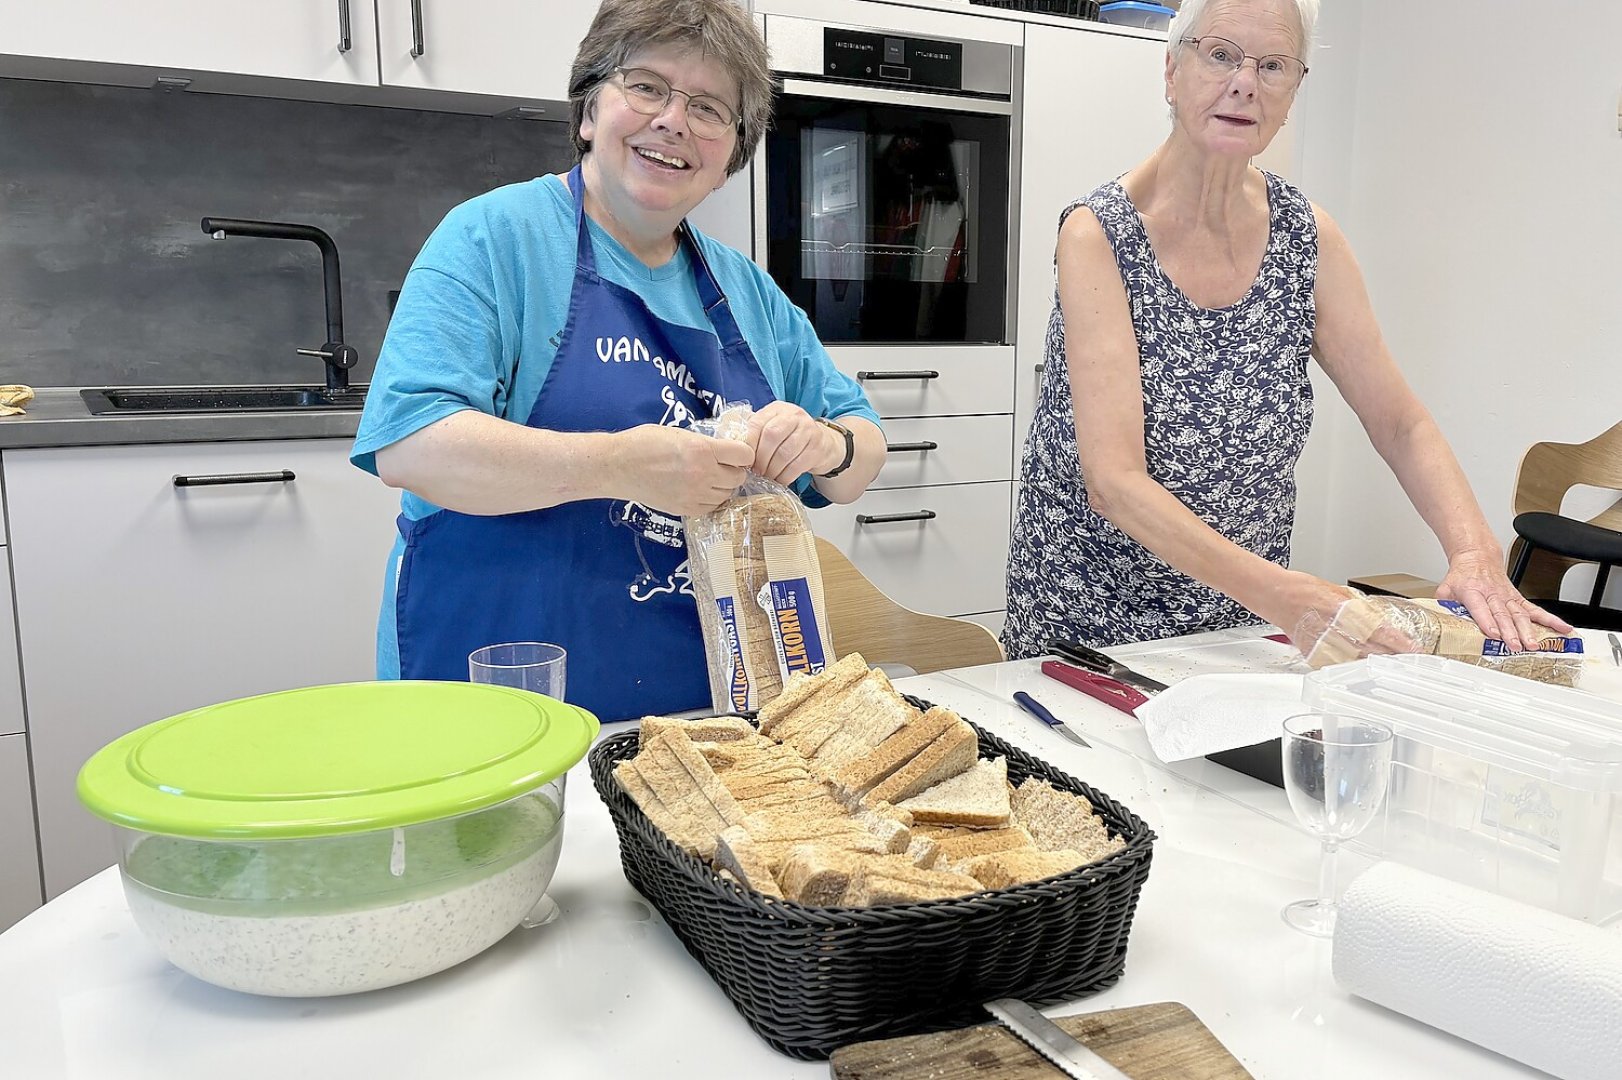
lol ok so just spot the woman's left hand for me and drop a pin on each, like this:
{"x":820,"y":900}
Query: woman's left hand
{"x":788,"y":441}
{"x":1478,"y":582}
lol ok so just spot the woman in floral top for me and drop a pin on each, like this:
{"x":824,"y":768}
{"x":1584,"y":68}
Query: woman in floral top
{"x":1158,"y":488}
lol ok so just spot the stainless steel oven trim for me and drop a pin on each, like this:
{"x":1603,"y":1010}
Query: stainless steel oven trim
{"x":908,"y":99}
{"x":796,"y":44}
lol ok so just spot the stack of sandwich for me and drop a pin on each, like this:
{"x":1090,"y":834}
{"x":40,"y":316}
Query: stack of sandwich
{"x":849,"y":796}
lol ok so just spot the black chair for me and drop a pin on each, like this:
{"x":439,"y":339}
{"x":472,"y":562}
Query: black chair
{"x":1547,"y":472}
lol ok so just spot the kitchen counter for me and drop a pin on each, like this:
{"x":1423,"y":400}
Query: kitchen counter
{"x":607,"y":990}
{"x":58,"y":417}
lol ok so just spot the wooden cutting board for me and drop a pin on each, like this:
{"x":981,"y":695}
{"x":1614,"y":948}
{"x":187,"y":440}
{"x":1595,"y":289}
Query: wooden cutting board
{"x":1163,"y":1041}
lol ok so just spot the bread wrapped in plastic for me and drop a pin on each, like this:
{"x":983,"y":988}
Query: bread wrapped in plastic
{"x":759,"y":587}
{"x":1364,"y":625}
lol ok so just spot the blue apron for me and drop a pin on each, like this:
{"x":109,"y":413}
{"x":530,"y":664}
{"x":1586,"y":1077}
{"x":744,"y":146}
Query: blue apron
{"x":605,"y":579}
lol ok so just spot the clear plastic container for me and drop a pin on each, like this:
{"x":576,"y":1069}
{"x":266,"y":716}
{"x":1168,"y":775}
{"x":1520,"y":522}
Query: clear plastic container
{"x":341,"y":914}
{"x":1134,"y":13}
{"x":1498,"y":782}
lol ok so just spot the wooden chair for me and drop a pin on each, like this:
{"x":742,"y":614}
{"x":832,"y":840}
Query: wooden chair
{"x":862,"y":619}
{"x":1549,"y":543}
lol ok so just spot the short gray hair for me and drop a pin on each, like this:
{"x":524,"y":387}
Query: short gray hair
{"x":719,"y":29}
{"x":1192,"y":13}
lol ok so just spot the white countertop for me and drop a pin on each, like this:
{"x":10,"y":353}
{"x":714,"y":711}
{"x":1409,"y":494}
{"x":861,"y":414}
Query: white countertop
{"x":607,"y":990}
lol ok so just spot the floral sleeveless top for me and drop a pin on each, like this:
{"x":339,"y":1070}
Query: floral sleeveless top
{"x":1227,"y":404}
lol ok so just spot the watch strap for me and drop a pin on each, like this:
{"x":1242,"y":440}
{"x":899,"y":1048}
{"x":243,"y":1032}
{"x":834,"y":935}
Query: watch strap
{"x":850,"y":447}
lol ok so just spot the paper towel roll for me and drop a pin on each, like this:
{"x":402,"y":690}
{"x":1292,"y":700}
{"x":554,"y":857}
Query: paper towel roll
{"x":1532,"y":985}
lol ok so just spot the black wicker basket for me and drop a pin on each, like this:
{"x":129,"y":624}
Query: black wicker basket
{"x":810,"y":980}
{"x":1079,"y":9}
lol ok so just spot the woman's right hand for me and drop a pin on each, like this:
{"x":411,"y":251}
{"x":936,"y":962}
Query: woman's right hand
{"x":679,"y":471}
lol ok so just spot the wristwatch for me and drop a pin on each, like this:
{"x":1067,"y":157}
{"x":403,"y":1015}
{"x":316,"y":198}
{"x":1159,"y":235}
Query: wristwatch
{"x":850,"y":447}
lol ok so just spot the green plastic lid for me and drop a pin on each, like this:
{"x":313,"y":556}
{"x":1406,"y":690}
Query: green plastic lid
{"x":333,"y":760}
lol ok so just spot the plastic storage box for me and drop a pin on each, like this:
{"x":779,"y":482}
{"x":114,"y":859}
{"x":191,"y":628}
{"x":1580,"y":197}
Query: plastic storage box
{"x":1501,"y":783}
{"x":1134,"y":13}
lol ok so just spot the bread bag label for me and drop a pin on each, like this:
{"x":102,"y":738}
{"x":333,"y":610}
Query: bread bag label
{"x":793,"y":599}
{"x":739,"y":686}
{"x":1492,"y":647}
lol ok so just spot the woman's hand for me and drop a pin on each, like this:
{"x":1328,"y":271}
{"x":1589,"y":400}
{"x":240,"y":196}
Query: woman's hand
{"x":1477,"y":580}
{"x":678,"y":471}
{"x":789,"y":442}
{"x":1310,"y":610}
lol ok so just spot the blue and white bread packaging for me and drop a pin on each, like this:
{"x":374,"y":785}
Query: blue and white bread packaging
{"x":758,"y":584}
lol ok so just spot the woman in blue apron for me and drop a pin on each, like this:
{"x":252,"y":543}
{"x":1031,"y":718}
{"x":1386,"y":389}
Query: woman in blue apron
{"x":551,"y":344}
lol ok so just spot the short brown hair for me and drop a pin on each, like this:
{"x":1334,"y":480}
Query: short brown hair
{"x":720,"y":29}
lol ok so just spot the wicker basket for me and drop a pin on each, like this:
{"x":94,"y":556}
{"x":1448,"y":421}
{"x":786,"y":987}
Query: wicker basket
{"x":810,"y":980}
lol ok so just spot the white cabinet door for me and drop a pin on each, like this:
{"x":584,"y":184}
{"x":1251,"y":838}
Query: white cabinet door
{"x":11,"y":690}
{"x":1094,"y":107}
{"x":137,"y":599}
{"x":941,"y":550}
{"x":936,"y":450}
{"x":19,"y":860}
{"x":507,"y":47}
{"x":287,"y":39}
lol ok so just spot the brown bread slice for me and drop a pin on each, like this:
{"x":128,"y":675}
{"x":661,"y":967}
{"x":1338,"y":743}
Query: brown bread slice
{"x":818,"y":874}
{"x":870,"y":712}
{"x":735,"y":851}
{"x":1059,"y":820}
{"x":690,"y":789}
{"x":977,"y":797}
{"x":952,"y":751}
{"x":801,"y":688}
{"x":896,"y":879}
{"x":959,"y":843}
{"x":713,"y":729}
{"x":856,"y":778}
{"x":684,"y":830}
{"x":1001,"y":869}
{"x":924,"y":851}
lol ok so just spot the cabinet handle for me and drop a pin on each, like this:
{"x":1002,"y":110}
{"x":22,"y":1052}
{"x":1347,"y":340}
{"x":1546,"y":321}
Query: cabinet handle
{"x":344,"y":36}
{"x":416,"y":28}
{"x":875,"y":376}
{"x":280,"y":476}
{"x":906,"y":447}
{"x":886,"y":519}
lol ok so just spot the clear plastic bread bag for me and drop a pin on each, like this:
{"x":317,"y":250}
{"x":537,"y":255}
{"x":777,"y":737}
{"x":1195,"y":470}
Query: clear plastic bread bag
{"x":758,"y":584}
{"x":1364,"y":625}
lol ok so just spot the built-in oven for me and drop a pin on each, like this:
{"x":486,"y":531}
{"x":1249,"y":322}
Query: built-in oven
{"x":884,"y":192}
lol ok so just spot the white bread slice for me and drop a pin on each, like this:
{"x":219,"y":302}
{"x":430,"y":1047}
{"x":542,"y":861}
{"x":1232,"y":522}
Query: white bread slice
{"x":895,"y":879}
{"x":801,"y":688}
{"x":1058,"y":820}
{"x":713,"y":729}
{"x":856,"y":778}
{"x":735,"y":851}
{"x":977,"y":797}
{"x":1001,"y":869}
{"x":956,"y":843}
{"x":953,"y":751}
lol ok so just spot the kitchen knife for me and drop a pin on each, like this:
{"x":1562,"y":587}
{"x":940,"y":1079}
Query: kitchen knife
{"x":1093,"y":660}
{"x":1040,"y":711}
{"x":1052,"y":1041}
{"x":1112,"y":692}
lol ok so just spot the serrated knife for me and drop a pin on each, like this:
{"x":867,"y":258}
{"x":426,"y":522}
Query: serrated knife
{"x":1052,"y":1041}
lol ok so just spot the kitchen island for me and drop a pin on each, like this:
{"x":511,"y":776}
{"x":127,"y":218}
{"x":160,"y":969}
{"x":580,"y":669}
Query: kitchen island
{"x":607,"y":990}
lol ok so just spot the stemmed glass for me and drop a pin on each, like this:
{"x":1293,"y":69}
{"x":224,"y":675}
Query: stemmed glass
{"x":1336,"y":770}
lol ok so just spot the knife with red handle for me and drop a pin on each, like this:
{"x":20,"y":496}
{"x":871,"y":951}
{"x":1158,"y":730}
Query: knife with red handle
{"x":1112,"y":692}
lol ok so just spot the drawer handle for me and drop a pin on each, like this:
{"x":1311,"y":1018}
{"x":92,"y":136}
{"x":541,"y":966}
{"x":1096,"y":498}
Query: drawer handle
{"x":280,"y":476}
{"x":911,"y":447}
{"x":416,"y":29}
{"x":887,"y":519}
{"x":344,"y":38}
{"x":877,"y":376}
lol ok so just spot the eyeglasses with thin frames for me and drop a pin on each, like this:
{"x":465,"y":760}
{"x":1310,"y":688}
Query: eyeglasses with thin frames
{"x":649,"y":93}
{"x":1276,"y":71}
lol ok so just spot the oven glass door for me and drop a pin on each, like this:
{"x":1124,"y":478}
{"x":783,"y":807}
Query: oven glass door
{"x":889,"y":223}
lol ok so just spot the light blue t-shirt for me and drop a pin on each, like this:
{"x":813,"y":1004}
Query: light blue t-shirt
{"x":482,"y":312}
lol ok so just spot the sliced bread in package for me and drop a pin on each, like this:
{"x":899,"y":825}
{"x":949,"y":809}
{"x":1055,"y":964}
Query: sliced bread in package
{"x":759,"y":588}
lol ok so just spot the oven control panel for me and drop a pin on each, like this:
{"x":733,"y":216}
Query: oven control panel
{"x":860,"y":56}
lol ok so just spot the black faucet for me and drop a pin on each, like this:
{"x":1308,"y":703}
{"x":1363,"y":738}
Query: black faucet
{"x":338,"y":356}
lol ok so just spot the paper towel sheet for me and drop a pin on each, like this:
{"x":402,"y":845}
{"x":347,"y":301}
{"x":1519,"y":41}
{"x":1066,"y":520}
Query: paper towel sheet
{"x":1527,"y":983}
{"x":1207,"y":713}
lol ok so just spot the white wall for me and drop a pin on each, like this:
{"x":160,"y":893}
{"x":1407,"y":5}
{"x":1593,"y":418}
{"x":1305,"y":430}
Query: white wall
{"x":1471,"y":153}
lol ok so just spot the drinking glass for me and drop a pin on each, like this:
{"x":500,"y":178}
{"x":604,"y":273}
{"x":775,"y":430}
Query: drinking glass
{"x":1336,"y":770}
{"x":536,"y":666}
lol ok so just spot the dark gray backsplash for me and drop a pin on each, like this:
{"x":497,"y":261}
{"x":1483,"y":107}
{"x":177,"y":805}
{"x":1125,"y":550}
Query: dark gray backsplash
{"x":106,"y":277}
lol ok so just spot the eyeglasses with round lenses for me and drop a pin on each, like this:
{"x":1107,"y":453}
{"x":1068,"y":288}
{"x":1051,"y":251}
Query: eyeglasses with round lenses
{"x":1277,"y":71}
{"x":649,"y":93}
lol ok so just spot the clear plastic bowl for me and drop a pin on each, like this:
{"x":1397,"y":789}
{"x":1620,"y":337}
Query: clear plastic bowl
{"x":343,"y":914}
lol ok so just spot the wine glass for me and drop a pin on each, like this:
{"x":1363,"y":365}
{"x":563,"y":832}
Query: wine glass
{"x":1336,"y":770}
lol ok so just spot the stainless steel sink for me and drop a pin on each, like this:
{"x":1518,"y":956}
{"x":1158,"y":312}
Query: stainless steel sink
{"x":220,"y":399}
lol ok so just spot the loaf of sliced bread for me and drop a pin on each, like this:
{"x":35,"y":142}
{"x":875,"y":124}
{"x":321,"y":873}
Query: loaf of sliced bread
{"x":977,"y":797}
